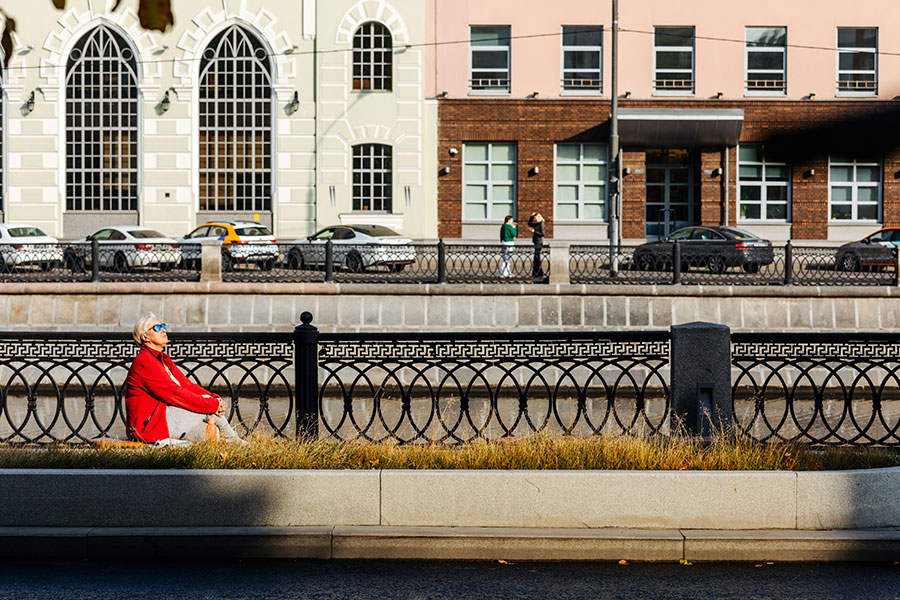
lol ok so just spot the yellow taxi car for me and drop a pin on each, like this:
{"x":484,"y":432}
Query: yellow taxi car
{"x":242,"y":243}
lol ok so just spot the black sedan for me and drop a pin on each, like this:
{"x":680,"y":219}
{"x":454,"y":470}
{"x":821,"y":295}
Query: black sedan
{"x":875,"y":251}
{"x":713,"y":248}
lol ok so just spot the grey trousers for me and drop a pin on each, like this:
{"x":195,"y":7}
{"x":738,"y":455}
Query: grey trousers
{"x":191,"y":426}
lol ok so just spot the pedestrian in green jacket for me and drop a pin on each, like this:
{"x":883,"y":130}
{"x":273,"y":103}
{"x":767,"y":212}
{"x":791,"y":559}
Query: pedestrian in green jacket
{"x":507,"y":239}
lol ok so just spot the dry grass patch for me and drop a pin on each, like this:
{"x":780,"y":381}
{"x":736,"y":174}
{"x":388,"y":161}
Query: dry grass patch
{"x":535,"y":452}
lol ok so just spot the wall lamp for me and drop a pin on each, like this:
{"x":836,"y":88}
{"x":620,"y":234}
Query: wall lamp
{"x":809,"y":172}
{"x":535,"y":94}
{"x":445,"y":171}
{"x":453,"y":151}
{"x":626,"y":95}
{"x":812,"y":96}
{"x":442,"y":94}
{"x":294,"y":104}
{"x":717,"y":172}
{"x":626,"y":171}
{"x":165,"y":103}
{"x":720,"y":95}
{"x":29,"y":104}
{"x":534,"y":170}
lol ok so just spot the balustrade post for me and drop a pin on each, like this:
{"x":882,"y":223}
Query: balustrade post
{"x":788,"y":264}
{"x":700,"y":378}
{"x":442,"y":261}
{"x":95,"y":260}
{"x":329,"y":261}
{"x":211,"y":260}
{"x":559,"y":263}
{"x":896,"y":266}
{"x":676,"y":262}
{"x":306,"y":377}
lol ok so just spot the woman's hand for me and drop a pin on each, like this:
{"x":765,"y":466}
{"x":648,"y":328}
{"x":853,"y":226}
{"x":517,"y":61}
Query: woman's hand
{"x":222,"y":407}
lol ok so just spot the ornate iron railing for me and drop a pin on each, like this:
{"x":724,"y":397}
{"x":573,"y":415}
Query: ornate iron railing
{"x":68,"y":387}
{"x":830,"y":389}
{"x":448,"y":387}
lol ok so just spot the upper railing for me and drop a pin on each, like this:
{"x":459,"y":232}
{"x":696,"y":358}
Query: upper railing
{"x":440,"y":262}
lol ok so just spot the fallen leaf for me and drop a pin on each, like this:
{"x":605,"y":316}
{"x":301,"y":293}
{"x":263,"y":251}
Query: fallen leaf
{"x":757,"y":566}
{"x":623,"y":562}
{"x":503,"y":562}
{"x":685,"y":562}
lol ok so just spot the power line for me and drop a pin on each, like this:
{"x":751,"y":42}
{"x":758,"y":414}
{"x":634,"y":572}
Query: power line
{"x":601,"y":29}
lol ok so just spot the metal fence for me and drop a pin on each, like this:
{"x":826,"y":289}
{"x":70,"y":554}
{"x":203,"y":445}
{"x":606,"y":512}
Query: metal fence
{"x":821,"y":389}
{"x":681,"y":264}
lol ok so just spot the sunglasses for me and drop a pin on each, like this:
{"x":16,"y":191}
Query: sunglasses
{"x":159,"y":327}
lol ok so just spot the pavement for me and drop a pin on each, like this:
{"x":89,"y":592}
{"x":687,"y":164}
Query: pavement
{"x":451,"y":543}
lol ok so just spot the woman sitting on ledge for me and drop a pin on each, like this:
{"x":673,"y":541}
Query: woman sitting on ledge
{"x":160,"y":401}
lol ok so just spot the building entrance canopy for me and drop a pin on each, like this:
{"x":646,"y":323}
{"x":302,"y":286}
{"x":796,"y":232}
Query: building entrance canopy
{"x":680,"y":127}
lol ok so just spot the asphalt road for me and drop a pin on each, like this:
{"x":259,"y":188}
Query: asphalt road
{"x":273,"y":580}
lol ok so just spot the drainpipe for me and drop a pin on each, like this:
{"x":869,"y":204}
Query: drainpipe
{"x":615,"y":174}
{"x":727,"y":186}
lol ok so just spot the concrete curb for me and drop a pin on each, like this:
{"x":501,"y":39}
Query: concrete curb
{"x":449,"y":543}
{"x":715,"y":500}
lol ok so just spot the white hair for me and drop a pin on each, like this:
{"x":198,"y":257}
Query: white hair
{"x":143,"y":326}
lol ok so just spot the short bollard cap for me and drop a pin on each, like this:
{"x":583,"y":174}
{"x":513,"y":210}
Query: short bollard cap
{"x":306,"y":317}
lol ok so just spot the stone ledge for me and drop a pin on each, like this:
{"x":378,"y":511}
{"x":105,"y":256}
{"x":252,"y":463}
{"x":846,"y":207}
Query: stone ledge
{"x":433,"y":289}
{"x":449,"y":543}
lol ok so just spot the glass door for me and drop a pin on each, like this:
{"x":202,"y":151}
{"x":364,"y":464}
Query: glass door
{"x":669,"y":200}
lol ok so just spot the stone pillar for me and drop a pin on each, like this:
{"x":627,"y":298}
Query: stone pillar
{"x":700,"y":366}
{"x":210,"y":260}
{"x":559,"y":262}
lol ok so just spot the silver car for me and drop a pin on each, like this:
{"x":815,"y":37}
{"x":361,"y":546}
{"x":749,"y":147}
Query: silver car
{"x":355,"y":248}
{"x":22,"y":244}
{"x":123,"y":249}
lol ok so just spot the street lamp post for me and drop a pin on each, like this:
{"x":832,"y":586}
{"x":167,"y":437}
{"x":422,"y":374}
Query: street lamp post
{"x":615,"y":173}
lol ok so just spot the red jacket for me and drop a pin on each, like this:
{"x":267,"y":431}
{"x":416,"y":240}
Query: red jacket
{"x":148,"y":389}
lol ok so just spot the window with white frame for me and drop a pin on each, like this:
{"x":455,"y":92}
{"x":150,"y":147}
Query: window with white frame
{"x":582,"y":59}
{"x":101,"y":124}
{"x":236,"y":106}
{"x":489,"y":181}
{"x":373,"y":57}
{"x":763,"y":186}
{"x":673,"y":60}
{"x":854,"y":189}
{"x":489,"y":60}
{"x":857,"y":58}
{"x":766,"y":59}
{"x":373,"y":185}
{"x":581,"y":174}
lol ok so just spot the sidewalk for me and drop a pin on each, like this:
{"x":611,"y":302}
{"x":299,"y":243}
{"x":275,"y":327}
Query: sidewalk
{"x":452,"y":543}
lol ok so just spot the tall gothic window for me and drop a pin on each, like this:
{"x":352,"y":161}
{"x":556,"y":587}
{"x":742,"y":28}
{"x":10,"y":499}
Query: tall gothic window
{"x":373,"y":57}
{"x":101,"y":123}
{"x":235,"y":124}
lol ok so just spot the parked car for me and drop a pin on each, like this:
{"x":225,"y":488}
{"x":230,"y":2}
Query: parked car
{"x":356,"y":247}
{"x":124,"y":248}
{"x":876,"y":250}
{"x":22,"y":244}
{"x":242,"y":243}
{"x":715,"y":248}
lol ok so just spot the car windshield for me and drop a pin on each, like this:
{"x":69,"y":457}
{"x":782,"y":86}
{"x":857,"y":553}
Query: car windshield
{"x":25,"y":232}
{"x":256,"y":230}
{"x":145,"y":234}
{"x":376,"y":230}
{"x":738,"y":234}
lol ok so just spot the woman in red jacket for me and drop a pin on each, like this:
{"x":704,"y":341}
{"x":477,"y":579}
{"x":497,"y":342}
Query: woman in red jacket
{"x":160,"y":401}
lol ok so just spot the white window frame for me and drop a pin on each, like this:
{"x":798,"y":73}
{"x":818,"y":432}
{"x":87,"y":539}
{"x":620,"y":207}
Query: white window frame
{"x":489,"y":182}
{"x":854,"y":194}
{"x":873,"y":91}
{"x":498,"y":90}
{"x":581,"y":183}
{"x":773,"y":91}
{"x":763,"y":185}
{"x":373,"y":57}
{"x":657,"y":71}
{"x":580,"y":91}
{"x":380,"y":187}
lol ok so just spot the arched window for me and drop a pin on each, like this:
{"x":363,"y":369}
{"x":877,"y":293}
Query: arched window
{"x":236,"y":108}
{"x":101,"y":124}
{"x":372,"y":177}
{"x":373,"y":57}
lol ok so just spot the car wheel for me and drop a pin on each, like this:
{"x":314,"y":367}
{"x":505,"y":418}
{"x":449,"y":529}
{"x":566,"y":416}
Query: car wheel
{"x":120,"y":263}
{"x":355,"y":263}
{"x":227,"y":264}
{"x":266,"y":265}
{"x":166,"y":266}
{"x":295,"y":261}
{"x":4,"y":267}
{"x":715,"y":264}
{"x":850,"y":263}
{"x":395,"y":268}
{"x":751,"y":267}
{"x":46,"y":266}
{"x":643,"y":262}
{"x":73,"y":263}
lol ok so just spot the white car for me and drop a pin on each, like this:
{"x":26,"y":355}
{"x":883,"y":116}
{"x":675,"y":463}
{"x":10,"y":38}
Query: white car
{"x":123,"y":249}
{"x":355,"y":247}
{"x":242,"y":243}
{"x":23,"y":244}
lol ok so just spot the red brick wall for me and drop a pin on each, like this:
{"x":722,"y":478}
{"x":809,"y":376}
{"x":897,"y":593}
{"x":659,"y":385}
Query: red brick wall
{"x":535,"y":125}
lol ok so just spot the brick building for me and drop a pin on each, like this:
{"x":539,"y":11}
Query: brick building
{"x":747,"y":114}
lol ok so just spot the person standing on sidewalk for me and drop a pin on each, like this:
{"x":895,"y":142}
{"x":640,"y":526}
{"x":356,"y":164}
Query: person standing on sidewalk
{"x":507,"y":239}
{"x":536,"y":223}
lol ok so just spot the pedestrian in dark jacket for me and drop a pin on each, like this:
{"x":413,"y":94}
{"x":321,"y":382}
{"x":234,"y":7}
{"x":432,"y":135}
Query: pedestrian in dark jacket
{"x":536,"y":223}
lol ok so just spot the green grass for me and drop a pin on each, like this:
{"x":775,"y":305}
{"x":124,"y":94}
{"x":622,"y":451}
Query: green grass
{"x":535,"y":452}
